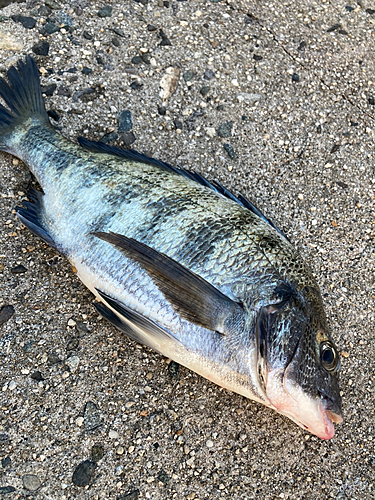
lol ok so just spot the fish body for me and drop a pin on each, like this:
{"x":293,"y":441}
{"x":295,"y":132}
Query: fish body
{"x":178,"y":263}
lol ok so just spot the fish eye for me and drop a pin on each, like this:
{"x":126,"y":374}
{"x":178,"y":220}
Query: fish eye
{"x":328,"y":356}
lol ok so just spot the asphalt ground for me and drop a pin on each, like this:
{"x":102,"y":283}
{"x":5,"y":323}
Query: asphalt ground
{"x":82,"y":404}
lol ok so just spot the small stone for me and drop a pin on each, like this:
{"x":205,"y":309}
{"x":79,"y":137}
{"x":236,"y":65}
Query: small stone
{"x":371,"y":101}
{"x":27,"y":22}
{"x":97,"y":453}
{"x":295,"y":77}
{"x":188,"y":75}
{"x":79,"y":421}
{"x":136,"y":60}
{"x":146,"y":58}
{"x":162,"y":110}
{"x":136,"y":85}
{"x":37,"y":376}
{"x":63,"y":91}
{"x":163,"y":476}
{"x":106,"y":139}
{"x":6,"y":312}
{"x":209,"y":443}
{"x":173,"y":369}
{"x":72,"y":362}
{"x":164,"y":39}
{"x":113,"y":434}
{"x":7,"y":42}
{"x":51,"y":28}
{"x":119,"y":470}
{"x":12,"y":385}
{"x":5,"y":462}
{"x":151,"y":27}
{"x":204,"y":90}
{"x":133,"y":495}
{"x":256,"y":57}
{"x":87,"y":35}
{"x":333,"y":28}
{"x":128,"y":138}
{"x":229,"y":149}
{"x":92,"y":417}
{"x":48,"y":90}
{"x":64,"y":18}
{"x":5,"y":490}
{"x":118,"y":32}
{"x":52,"y":113}
{"x":41,"y":48}
{"x":83,"y":473}
{"x":86,"y":70}
{"x":106,"y":11}
{"x":120,"y":450}
{"x":211,"y":132}
{"x":344,"y":354}
{"x":18,"y":269}
{"x":169,"y":82}
{"x":80,"y":93}
{"x":209,"y":74}
{"x":44,"y":11}
{"x":115,"y":42}
{"x":52,"y":4}
{"x":178,"y":124}
{"x":335,"y":148}
{"x":369,"y":11}
{"x":31,"y":482}
{"x":249,"y":98}
{"x":225,"y":129}
{"x":125,"y":121}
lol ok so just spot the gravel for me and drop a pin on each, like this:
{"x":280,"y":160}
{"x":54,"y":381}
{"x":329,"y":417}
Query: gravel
{"x":286,"y":162}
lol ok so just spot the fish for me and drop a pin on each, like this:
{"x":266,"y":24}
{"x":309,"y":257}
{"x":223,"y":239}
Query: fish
{"x":178,"y":263}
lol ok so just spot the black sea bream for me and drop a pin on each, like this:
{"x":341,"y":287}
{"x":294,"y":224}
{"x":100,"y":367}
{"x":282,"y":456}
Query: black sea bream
{"x":178,"y":263}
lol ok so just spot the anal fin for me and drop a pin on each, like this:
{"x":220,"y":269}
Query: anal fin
{"x":32,"y":215}
{"x":136,"y":326}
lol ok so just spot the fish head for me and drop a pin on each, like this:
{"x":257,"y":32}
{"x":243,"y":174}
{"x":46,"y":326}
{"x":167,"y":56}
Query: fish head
{"x":298,"y":363}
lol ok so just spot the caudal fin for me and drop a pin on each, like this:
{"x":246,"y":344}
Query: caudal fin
{"x":23,"y":97}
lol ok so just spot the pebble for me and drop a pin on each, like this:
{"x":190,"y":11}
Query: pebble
{"x":53,"y":359}
{"x":79,"y":421}
{"x":63,"y":91}
{"x":164,"y":39}
{"x":146,"y":58}
{"x":204,"y":90}
{"x":92,"y":416}
{"x":53,"y":4}
{"x":48,"y":90}
{"x":118,"y":32}
{"x":83,"y":473}
{"x":64,"y":18}
{"x":51,"y":28}
{"x":5,"y":490}
{"x":5,"y":462}
{"x":211,"y":132}
{"x":188,"y":75}
{"x":133,"y":495}
{"x":113,"y":434}
{"x":41,"y":48}
{"x":249,"y":98}
{"x":12,"y":385}
{"x":86,"y":70}
{"x":80,"y":93}
{"x":87,"y":35}
{"x":72,"y":344}
{"x":151,"y":27}
{"x":125,"y":121}
{"x":136,"y":60}
{"x":256,"y":57}
{"x":80,"y":326}
{"x":169,"y":82}
{"x":27,"y":22}
{"x":178,"y":124}
{"x":334,"y":28}
{"x":128,"y":138}
{"x":120,"y":450}
{"x":209,"y":74}
{"x":295,"y":77}
{"x":106,"y":139}
{"x":97,"y":453}
{"x":173,"y":369}
{"x":115,"y":42}
{"x":31,"y":482}
{"x":73,"y":363}
{"x":163,"y":476}
{"x":6,"y":312}
{"x":18,"y":269}
{"x":229,"y":149}
{"x":225,"y":129}
{"x":162,"y":110}
{"x":209,"y":443}
{"x":7,"y":42}
{"x":106,"y":11}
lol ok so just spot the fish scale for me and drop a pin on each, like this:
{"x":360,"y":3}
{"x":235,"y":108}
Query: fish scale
{"x":179,"y":263}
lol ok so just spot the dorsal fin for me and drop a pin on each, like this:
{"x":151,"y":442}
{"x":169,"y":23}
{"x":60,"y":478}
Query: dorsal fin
{"x":131,"y":155}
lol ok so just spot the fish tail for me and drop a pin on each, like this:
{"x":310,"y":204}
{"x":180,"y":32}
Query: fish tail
{"x":23,"y":97}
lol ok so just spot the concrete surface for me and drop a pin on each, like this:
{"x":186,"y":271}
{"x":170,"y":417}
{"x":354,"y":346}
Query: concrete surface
{"x":303,"y":142}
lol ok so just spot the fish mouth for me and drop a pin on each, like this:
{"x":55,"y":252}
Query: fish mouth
{"x":311,"y":413}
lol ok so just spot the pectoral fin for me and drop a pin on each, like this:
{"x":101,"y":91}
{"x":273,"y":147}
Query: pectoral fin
{"x":192,"y":297}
